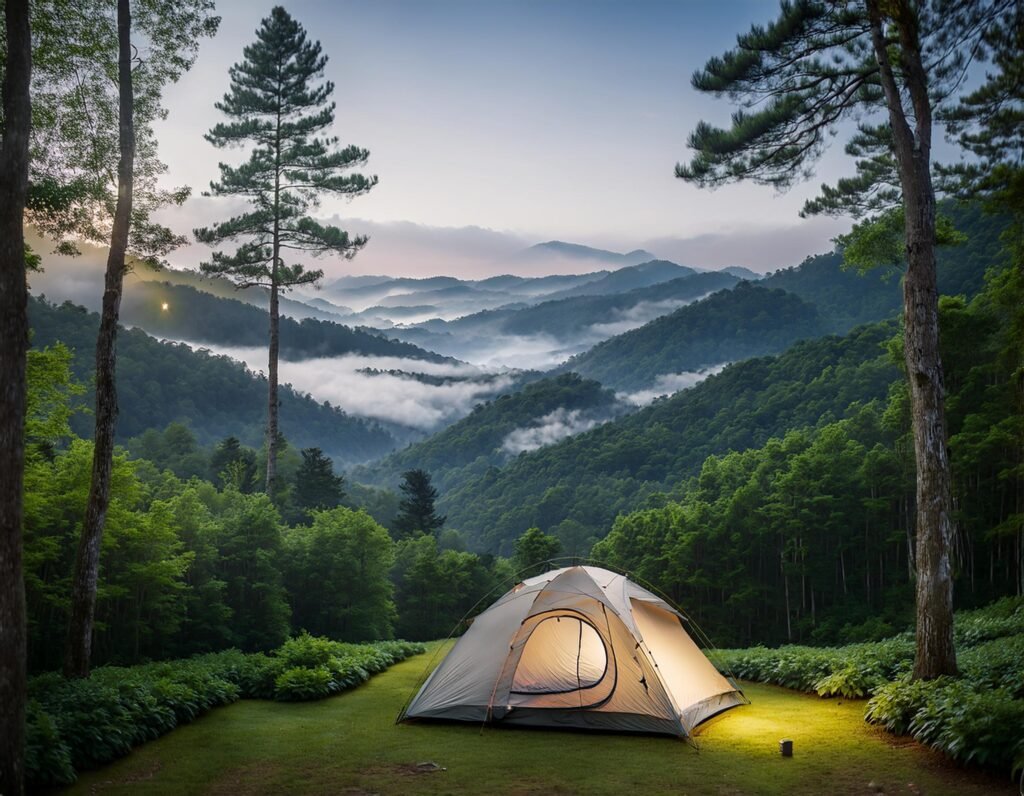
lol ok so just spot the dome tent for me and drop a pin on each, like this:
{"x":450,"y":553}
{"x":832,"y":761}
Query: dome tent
{"x":578,"y":647}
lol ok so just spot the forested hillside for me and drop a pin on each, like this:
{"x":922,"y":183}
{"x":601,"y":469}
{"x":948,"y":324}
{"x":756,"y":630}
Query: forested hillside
{"x":575,"y":488}
{"x":846,"y":298}
{"x":809,"y":536}
{"x":160,"y":383}
{"x":728,"y":326}
{"x":550,"y":407}
{"x":192,"y":314}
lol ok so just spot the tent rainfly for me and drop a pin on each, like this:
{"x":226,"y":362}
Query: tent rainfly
{"x":578,"y":647}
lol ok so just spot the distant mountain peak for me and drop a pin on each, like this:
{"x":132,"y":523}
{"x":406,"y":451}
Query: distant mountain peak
{"x":578,"y":251}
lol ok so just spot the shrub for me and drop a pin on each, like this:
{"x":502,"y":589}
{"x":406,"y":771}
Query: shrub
{"x":79,"y":724}
{"x":978,"y":718}
{"x":47,"y":757}
{"x":299,"y":684}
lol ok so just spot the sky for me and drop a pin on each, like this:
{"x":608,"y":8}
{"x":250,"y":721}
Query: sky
{"x":493,"y":125}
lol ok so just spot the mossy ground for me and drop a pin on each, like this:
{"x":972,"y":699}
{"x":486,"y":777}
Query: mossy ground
{"x":349,"y":744}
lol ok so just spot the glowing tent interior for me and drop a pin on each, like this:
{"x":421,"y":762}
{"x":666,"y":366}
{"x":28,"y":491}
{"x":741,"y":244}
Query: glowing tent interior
{"x":578,"y":647}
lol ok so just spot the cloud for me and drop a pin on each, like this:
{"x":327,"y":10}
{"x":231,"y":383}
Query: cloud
{"x":636,"y":316}
{"x":395,"y":398}
{"x":670,"y":383}
{"x":551,"y":428}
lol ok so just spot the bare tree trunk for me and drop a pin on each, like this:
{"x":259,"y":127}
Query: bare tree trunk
{"x":17,"y":110}
{"x":935,"y":655}
{"x":14,"y":159}
{"x":272,"y":431}
{"x":87,"y":561}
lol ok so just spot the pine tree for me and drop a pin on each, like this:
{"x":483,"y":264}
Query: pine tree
{"x":278,"y":104}
{"x":316,"y":485}
{"x":796,"y":79}
{"x":416,"y":511}
{"x":233,"y":464}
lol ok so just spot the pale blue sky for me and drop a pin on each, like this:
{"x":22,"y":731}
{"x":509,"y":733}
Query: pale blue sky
{"x":558,"y":119}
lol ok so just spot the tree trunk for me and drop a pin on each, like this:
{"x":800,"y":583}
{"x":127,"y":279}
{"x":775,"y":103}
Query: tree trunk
{"x":17,"y":109}
{"x":87,"y":561}
{"x":935,"y":654}
{"x":272,"y":432}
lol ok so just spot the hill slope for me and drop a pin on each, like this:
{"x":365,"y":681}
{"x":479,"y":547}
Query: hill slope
{"x":629,"y":278}
{"x":846,"y":298}
{"x":159,"y":383}
{"x":726,"y":327}
{"x":202,"y":317}
{"x":590,"y":478}
{"x":543,"y":409}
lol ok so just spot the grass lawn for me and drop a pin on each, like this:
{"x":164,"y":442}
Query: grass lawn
{"x":349,"y":744}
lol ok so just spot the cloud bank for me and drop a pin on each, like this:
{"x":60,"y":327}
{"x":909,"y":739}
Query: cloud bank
{"x":394,"y":398}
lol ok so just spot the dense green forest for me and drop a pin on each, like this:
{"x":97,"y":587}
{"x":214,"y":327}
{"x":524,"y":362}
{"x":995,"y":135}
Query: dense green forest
{"x":731,"y":325}
{"x":810,"y":536}
{"x":190,"y":566}
{"x":472,"y":445}
{"x":192,"y":314}
{"x":161,"y":383}
{"x":576,"y":487}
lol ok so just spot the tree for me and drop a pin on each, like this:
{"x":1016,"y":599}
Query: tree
{"x":337,"y":576}
{"x":276,"y":104}
{"x":73,"y":187}
{"x":233,"y":464}
{"x":87,"y":562}
{"x":316,"y":485}
{"x":534,"y":551}
{"x":14,"y":159}
{"x":168,"y":27}
{"x":416,"y":510}
{"x":797,"y":78}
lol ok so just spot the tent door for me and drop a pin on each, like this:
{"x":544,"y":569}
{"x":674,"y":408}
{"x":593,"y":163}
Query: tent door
{"x":565,"y":663}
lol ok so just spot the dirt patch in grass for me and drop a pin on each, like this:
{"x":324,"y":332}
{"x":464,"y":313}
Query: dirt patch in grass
{"x":404,"y":769}
{"x":140,"y":775}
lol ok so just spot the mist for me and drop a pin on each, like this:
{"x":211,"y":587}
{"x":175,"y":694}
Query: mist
{"x":669,"y":384}
{"x":550,"y":428}
{"x":390,"y":397}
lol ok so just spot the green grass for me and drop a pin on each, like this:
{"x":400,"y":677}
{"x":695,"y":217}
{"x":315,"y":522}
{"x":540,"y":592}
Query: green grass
{"x":350,"y":744}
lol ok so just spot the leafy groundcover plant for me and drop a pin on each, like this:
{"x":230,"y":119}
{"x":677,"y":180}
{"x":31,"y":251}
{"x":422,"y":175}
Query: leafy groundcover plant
{"x":977,"y":718}
{"x":80,"y":724}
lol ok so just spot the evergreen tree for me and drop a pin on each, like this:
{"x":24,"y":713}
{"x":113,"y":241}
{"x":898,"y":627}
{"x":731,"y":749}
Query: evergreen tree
{"x":416,"y":510}
{"x":316,"y":485}
{"x":278,"y":104}
{"x":234,"y":464}
{"x":796,"y":78}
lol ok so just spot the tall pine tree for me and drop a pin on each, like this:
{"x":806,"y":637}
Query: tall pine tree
{"x":280,"y":105}
{"x":416,"y":511}
{"x":820,"y":63}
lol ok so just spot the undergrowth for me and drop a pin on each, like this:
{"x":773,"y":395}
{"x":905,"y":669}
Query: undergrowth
{"x":977,"y":718}
{"x":80,"y":724}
